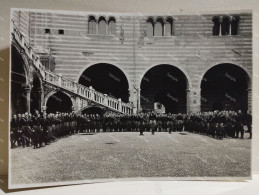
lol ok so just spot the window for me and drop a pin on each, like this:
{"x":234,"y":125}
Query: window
{"x":102,"y":26}
{"x":168,"y":27}
{"x":225,"y":26}
{"x":47,"y":31}
{"x":159,"y":27}
{"x":235,"y":25}
{"x":216,"y":27}
{"x":150,"y":28}
{"x":61,"y":32}
{"x":91,"y":25}
{"x":112,"y":26}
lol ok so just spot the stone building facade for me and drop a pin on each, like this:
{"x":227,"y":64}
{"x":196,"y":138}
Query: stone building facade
{"x":189,"y":63}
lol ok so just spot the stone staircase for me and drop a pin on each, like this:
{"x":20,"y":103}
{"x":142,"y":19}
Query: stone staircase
{"x":87,"y":93}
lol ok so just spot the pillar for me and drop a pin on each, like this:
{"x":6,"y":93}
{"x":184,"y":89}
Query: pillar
{"x":188,"y":100}
{"x":27,"y":96}
{"x":77,"y":104}
{"x":59,"y":81}
{"x":220,"y":21}
{"x":119,"y":104}
{"x":40,"y":100}
{"x":105,"y":100}
{"x":194,"y":100}
{"x":249,"y":95}
{"x":134,"y":98}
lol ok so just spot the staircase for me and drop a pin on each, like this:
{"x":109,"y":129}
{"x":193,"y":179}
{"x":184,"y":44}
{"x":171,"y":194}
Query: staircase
{"x":87,"y":93}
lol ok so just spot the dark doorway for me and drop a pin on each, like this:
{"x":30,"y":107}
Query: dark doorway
{"x":224,"y":87}
{"x":165,"y":84}
{"x":59,"y":102}
{"x":107,"y":79}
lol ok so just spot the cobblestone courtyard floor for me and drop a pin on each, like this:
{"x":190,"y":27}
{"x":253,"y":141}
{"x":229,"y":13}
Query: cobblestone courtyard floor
{"x":120,"y":155}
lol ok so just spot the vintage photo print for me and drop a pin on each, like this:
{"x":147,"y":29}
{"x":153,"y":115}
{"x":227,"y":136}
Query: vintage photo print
{"x":114,"y":96}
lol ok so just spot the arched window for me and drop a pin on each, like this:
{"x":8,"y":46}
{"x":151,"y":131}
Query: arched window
{"x":168,"y":27}
{"x":112,"y":26}
{"x":235,"y":25}
{"x":225,"y":24}
{"x":91,"y":25}
{"x":216,"y":26}
{"x":150,"y":27}
{"x":159,"y":27}
{"x":102,"y":26}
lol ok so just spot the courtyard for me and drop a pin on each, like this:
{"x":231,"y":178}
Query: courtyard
{"x":87,"y":156}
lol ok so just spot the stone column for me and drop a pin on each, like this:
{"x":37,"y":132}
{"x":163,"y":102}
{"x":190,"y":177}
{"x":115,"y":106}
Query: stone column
{"x":133,"y":97}
{"x":249,"y":96}
{"x":77,"y":104}
{"x":59,"y":81}
{"x":188,"y":100}
{"x":220,"y":22}
{"x":119,"y":104}
{"x":105,"y":101}
{"x":40,"y":100}
{"x":27,"y":96}
{"x":194,"y":100}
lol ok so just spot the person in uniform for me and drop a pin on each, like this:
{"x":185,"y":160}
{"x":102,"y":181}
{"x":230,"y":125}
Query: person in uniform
{"x":248,"y":123}
{"x":14,"y":131}
{"x":152,"y":122}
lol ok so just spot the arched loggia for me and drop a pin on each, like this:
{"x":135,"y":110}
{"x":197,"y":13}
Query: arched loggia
{"x":19,"y":83}
{"x":59,"y":102}
{"x":165,"y":84}
{"x":108,"y":79}
{"x":225,"y":87}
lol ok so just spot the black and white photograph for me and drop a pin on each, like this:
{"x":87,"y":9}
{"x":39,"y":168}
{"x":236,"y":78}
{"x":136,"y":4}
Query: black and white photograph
{"x":105,"y":96}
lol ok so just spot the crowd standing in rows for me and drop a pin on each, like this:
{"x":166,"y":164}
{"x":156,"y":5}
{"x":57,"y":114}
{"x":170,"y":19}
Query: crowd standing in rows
{"x":41,"y":129}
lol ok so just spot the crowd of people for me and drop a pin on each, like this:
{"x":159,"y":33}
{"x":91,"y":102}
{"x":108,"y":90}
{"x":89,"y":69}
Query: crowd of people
{"x":40,"y":129}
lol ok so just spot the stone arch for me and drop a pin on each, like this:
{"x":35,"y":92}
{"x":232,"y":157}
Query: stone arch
{"x":166,"y":84}
{"x":189,"y":81}
{"x":226,"y":86}
{"x":159,"y":26}
{"x":20,"y":82}
{"x":18,"y":51}
{"x":225,"y":25}
{"x":106,"y":78}
{"x":105,"y":62}
{"x":92,"y":109}
{"x":249,"y":74}
{"x":216,"y":25}
{"x":69,"y":107}
{"x":92,"y":24}
{"x":150,"y":27}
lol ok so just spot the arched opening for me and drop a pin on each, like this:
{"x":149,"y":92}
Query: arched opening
{"x":91,"y":25}
{"x":93,"y":110}
{"x":224,"y":87}
{"x":216,"y":26}
{"x":165,"y":84}
{"x":18,"y":83}
{"x":36,"y":92}
{"x":159,"y":27}
{"x":107,"y":79}
{"x":235,"y":25}
{"x":59,"y":102}
{"x":169,"y":27}
{"x":102,"y":26}
{"x":150,"y":27}
{"x":225,"y":26}
{"x":112,"y":26}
